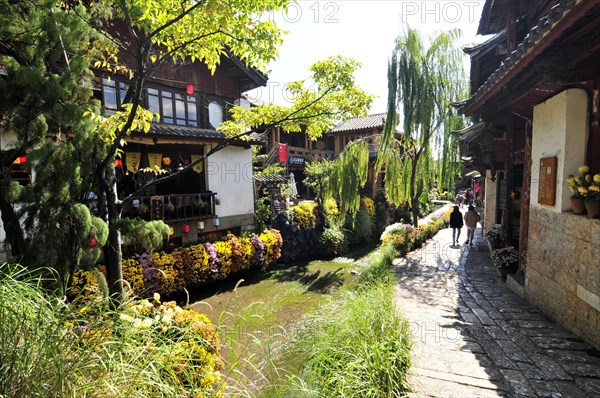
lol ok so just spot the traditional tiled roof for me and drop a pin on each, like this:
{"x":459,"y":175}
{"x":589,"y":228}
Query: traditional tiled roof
{"x":486,"y":45}
{"x":470,"y":133}
{"x":270,"y":178}
{"x":527,"y":46}
{"x":187,"y":132}
{"x":361,"y":123}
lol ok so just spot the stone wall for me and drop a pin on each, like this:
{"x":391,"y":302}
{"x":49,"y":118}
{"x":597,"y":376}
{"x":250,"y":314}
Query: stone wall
{"x":563,"y":270}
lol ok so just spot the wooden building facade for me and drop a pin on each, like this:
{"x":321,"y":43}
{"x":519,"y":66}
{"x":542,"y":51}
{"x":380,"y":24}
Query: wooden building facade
{"x":535,"y":98}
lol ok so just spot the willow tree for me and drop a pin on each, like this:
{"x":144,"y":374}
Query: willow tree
{"x":423,"y":79}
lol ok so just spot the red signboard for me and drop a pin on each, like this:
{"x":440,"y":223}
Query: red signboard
{"x":282,"y":148}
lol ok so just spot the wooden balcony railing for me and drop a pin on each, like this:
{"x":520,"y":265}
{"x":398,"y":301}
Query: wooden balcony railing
{"x":172,"y":207}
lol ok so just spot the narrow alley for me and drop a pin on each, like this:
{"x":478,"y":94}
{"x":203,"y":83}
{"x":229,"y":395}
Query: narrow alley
{"x":473,"y":337}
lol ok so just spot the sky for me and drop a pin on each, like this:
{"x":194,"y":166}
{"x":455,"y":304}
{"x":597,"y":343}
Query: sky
{"x":361,"y":29}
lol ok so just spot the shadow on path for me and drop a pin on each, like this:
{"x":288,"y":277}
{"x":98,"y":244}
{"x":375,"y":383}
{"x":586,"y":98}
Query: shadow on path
{"x":473,"y":337}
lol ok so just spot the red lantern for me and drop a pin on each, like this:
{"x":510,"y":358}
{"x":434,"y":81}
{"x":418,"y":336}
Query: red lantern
{"x":118,"y":163}
{"x":20,"y":160}
{"x":93,"y":242}
{"x":189,"y":89}
{"x":186,"y":228}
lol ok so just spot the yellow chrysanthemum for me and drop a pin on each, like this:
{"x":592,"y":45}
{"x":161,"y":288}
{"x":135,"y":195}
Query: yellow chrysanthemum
{"x":572,"y":189}
{"x":597,"y":178}
{"x":595,"y":188}
{"x":583,"y":169}
{"x":579,"y":180}
{"x":571,"y":179}
{"x":588,"y":178}
{"x":582,"y":190}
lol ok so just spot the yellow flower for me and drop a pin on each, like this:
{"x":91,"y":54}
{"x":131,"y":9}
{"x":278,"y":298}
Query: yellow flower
{"x":583,"y":169}
{"x":571,"y":179}
{"x":597,"y":178}
{"x":572,"y":189}
{"x":588,"y":178}
{"x":595,"y":188}
{"x":583,"y":190}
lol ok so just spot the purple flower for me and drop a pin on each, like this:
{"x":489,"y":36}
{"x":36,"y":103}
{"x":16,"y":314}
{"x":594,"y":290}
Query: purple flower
{"x":213,"y":259}
{"x":258,"y":256}
{"x":150,"y":273}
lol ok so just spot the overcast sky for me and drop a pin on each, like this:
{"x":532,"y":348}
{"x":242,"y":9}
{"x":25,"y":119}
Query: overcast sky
{"x":364,"y":30}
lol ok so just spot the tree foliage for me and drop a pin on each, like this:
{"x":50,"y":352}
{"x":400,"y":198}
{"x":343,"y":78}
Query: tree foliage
{"x":423,"y":80}
{"x":319,"y":102}
{"x":45,"y":86}
{"x":348,"y":175}
{"x":47,"y":51}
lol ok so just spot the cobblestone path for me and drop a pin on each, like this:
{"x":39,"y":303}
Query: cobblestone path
{"x":475,"y":338}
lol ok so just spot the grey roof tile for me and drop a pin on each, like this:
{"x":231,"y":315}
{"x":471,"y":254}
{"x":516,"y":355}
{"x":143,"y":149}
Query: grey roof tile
{"x":187,"y":132}
{"x":360,"y":123}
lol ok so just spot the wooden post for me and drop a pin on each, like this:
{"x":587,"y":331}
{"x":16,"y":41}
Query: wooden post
{"x":525,"y":192}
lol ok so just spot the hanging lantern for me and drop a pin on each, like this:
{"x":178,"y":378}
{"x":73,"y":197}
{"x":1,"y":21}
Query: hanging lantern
{"x":166,"y":161}
{"x":186,"y":228}
{"x":189,"y":89}
{"x":20,"y":160}
{"x":118,"y":163}
{"x":93,"y":241}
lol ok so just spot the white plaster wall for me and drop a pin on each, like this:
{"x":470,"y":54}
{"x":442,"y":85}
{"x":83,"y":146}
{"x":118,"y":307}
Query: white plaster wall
{"x":6,"y":142}
{"x":229,"y":174}
{"x":490,"y":202}
{"x":560,"y":129}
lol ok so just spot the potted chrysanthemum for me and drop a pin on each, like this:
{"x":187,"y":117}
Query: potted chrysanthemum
{"x":506,"y":260}
{"x":495,"y":236}
{"x":585,"y":190}
{"x":578,"y":185}
{"x":592,"y":199}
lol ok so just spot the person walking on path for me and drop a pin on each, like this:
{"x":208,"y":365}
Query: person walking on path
{"x":471,"y":220}
{"x":456,"y":223}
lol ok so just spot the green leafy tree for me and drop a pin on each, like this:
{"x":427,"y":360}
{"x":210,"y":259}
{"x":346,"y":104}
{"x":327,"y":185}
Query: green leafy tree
{"x":45,"y":50}
{"x":423,"y":79}
{"x":174,"y":30}
{"x":157,"y":34}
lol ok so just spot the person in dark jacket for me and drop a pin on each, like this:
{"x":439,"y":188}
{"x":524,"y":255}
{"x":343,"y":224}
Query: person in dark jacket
{"x":456,"y":223}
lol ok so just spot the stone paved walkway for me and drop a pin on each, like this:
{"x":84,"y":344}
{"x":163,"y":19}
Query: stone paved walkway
{"x":475,"y":338}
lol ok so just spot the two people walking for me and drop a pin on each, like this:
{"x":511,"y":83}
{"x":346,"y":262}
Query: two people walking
{"x":471,"y":218}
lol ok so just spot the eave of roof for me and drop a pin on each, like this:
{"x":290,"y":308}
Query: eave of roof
{"x":199,"y":135}
{"x":260,"y":79}
{"x":470,"y":133}
{"x":270,"y":178}
{"x":186,"y":132}
{"x":560,"y":18}
{"x":360,"y":123}
{"x":486,"y":46}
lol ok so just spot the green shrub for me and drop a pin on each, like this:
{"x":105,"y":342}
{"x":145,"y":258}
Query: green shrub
{"x":333,"y":242}
{"x":362,"y":228}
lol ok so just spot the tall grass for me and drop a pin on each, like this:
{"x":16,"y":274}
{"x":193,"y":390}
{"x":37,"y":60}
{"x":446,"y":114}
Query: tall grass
{"x":35,"y":356}
{"x":51,"y":349}
{"x":356,"y":345}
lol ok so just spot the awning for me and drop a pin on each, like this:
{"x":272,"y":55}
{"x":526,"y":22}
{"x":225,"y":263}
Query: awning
{"x":470,"y":133}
